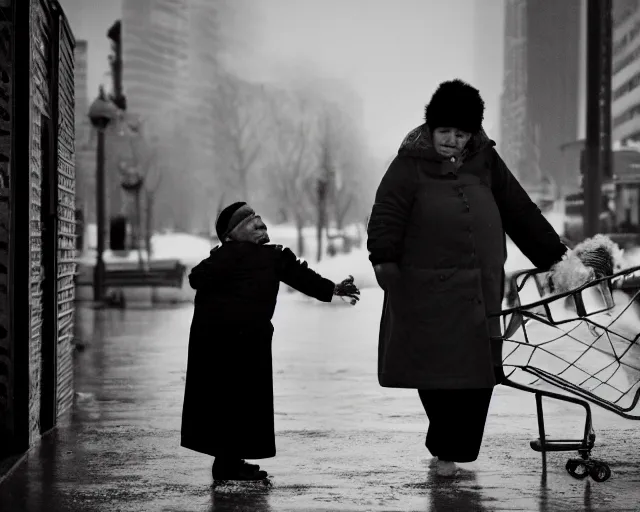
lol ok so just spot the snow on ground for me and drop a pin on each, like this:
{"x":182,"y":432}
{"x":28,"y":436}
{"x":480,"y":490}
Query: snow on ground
{"x":340,"y":267}
{"x":189,"y":249}
{"x":358,"y":265}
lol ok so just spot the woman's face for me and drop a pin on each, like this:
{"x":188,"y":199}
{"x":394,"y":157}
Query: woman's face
{"x":450,"y":141}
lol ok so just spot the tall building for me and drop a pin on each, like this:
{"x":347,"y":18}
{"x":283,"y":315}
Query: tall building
{"x":625,"y":68}
{"x":541,"y":77}
{"x":513,"y":103}
{"x":168,"y":70}
{"x":488,"y":41}
{"x":155,"y":41}
{"x":204,"y":35}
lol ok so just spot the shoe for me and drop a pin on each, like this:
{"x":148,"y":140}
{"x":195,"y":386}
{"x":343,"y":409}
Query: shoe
{"x":446,"y":468}
{"x":252,"y":466}
{"x":237,"y":470}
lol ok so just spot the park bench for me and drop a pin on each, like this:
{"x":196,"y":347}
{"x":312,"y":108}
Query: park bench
{"x":130,"y":274}
{"x":158,"y":274}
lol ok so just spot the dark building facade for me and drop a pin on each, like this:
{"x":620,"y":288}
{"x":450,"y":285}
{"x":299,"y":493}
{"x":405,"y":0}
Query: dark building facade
{"x":540,"y":105}
{"x":37,"y":226}
{"x":625,"y":80}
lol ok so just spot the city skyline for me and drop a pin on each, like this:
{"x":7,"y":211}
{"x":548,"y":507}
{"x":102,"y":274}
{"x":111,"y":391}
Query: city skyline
{"x":90,"y":20}
{"x":394,"y":57}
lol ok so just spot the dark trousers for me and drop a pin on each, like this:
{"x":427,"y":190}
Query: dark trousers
{"x":456,"y":421}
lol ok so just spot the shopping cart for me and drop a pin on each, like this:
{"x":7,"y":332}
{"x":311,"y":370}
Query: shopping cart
{"x":579,"y":343}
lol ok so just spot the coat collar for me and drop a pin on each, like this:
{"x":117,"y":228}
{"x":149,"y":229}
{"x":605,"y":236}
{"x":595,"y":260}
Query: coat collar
{"x":418,"y":143}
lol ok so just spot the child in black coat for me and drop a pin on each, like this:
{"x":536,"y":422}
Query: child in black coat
{"x":228,"y":402}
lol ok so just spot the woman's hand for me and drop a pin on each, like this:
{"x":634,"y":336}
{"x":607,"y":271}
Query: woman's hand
{"x":347,"y":288}
{"x":387,"y":274}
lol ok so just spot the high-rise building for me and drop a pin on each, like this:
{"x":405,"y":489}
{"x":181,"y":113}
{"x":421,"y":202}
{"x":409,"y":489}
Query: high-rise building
{"x":204,"y":35}
{"x":488,"y":41}
{"x":155,"y":42}
{"x":541,"y":77}
{"x":168,"y":71}
{"x":513,"y":104}
{"x":625,"y":68}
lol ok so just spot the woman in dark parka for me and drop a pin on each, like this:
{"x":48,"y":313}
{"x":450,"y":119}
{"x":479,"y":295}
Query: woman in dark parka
{"x":436,"y":238}
{"x":228,"y":399}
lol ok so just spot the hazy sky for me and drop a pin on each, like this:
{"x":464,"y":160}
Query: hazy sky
{"x":90,"y":20}
{"x":393,"y":53}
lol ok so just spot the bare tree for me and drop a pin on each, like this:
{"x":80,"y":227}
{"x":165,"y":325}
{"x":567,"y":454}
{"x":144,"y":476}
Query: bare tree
{"x":239,"y":114}
{"x":343,"y":156}
{"x":292,"y":160}
{"x":324,"y":180}
{"x":135,"y":159}
{"x":150,"y":194}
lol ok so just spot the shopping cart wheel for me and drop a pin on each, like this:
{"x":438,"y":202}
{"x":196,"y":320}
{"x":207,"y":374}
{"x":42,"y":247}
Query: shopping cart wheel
{"x":577,"y":468}
{"x":600,"y":471}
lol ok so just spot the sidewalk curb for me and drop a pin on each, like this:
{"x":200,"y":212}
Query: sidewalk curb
{"x":4,"y":475}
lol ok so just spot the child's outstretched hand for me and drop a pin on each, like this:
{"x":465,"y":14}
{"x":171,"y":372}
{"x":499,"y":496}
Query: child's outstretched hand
{"x":347,"y":288}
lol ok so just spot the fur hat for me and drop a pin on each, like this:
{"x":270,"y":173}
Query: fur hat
{"x":455,"y":104}
{"x":230,"y":217}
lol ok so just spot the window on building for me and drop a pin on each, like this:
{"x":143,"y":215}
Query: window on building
{"x":627,"y":87}
{"x":629,"y":36}
{"x":627,"y":115}
{"x":626,"y":60}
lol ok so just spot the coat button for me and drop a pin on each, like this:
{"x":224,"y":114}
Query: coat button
{"x":442,"y":278}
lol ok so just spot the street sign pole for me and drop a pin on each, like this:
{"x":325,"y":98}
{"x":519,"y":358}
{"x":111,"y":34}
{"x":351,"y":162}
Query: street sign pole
{"x":598,"y":129}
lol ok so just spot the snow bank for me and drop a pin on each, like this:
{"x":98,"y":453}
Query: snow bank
{"x":189,"y":249}
{"x":341,"y":266}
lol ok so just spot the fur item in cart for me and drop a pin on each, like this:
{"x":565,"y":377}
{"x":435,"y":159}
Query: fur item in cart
{"x":591,"y":259}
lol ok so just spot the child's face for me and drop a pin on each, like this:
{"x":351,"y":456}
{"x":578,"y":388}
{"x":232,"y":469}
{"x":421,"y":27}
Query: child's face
{"x":251,"y":230}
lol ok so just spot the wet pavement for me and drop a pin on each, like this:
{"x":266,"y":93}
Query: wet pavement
{"x":343,"y":442}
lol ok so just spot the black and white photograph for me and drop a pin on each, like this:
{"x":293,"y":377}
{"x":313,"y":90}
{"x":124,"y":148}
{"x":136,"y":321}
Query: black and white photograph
{"x":319,"y":255}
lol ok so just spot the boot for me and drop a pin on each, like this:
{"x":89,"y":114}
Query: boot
{"x":237,"y":469}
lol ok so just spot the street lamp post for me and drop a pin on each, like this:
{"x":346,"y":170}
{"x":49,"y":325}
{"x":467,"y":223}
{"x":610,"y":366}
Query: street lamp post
{"x":101,"y":113}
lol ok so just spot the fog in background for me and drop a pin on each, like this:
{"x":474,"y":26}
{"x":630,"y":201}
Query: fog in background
{"x":337,"y":82}
{"x":393,"y":53}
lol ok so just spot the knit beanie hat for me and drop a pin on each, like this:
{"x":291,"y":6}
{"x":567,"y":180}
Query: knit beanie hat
{"x":455,"y":104}
{"x":230,"y":217}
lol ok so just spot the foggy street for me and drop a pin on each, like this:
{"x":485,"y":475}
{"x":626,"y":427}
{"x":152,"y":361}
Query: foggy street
{"x":344,"y":443}
{"x":475,"y":159}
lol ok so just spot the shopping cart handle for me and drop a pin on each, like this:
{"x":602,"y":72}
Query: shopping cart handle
{"x":515,"y":282}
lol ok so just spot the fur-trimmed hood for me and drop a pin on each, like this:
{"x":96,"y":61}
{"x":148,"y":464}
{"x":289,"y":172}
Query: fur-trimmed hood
{"x":418,"y":143}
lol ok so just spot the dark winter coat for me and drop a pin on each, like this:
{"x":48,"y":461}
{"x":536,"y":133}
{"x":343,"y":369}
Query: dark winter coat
{"x":228,"y":400}
{"x":444,"y":225}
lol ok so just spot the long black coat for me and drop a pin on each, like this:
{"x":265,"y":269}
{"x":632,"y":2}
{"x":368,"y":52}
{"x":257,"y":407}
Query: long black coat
{"x":228,"y":400}
{"x":444,"y":225}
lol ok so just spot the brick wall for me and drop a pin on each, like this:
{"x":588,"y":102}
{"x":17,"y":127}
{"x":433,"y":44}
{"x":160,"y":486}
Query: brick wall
{"x":40,"y":105}
{"x":66,"y":265}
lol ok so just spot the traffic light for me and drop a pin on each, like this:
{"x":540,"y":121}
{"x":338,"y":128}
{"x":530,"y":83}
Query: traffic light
{"x":115,"y":59}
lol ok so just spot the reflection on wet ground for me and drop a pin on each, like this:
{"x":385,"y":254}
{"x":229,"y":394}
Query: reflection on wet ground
{"x":343,"y":442}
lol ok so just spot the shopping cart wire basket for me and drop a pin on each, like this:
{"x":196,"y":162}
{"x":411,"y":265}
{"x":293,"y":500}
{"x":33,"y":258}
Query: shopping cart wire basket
{"x":580,"y":346}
